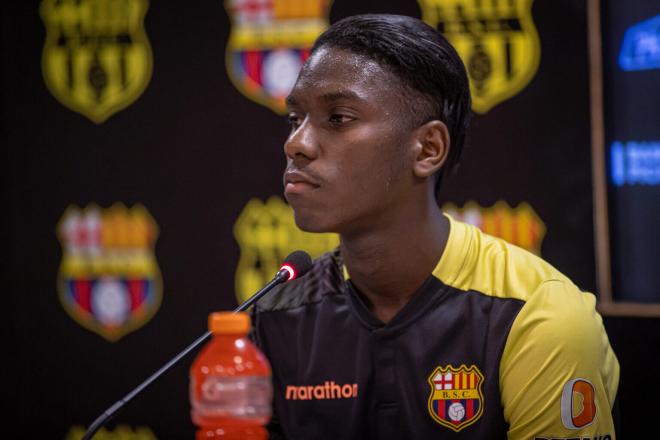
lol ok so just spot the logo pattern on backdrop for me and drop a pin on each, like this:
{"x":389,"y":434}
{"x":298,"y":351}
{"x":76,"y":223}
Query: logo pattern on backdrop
{"x":121,"y":432}
{"x":269,"y":42}
{"x":96,"y":59}
{"x":266,"y":234}
{"x":520,"y":225}
{"x":109,"y":280}
{"x":497,"y":41}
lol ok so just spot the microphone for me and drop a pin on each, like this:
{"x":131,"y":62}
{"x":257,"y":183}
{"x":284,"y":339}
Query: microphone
{"x":297,"y":264}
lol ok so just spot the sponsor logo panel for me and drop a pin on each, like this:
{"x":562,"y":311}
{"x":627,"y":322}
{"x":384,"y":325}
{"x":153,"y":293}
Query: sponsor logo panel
{"x":109,"y":281}
{"x":640,"y":49}
{"x":635,"y":163}
{"x":329,"y":390}
{"x":578,"y":404}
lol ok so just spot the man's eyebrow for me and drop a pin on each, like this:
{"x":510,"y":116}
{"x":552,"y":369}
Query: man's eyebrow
{"x":342,"y":95}
{"x":291,"y":101}
{"x":330,"y":97}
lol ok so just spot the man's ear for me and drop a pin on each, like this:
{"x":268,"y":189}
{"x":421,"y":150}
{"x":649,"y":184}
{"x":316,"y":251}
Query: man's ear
{"x":431,"y":149}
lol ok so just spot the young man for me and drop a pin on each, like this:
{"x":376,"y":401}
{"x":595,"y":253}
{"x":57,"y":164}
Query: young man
{"x":418,"y":326}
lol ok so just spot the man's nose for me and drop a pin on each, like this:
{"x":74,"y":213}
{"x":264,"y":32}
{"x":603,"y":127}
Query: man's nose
{"x":302,"y":142}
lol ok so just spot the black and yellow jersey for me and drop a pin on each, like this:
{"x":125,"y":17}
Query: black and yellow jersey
{"x":495,"y":344}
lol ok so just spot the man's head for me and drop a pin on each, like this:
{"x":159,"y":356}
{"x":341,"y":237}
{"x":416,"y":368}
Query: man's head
{"x":378,"y":112}
{"x":435,"y":84}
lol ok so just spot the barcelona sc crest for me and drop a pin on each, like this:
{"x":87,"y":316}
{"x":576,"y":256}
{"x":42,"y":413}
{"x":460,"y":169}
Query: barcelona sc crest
{"x":269,"y":42}
{"x":96,"y":59}
{"x":497,"y":41}
{"x":456,"y":400}
{"x":109,"y":281}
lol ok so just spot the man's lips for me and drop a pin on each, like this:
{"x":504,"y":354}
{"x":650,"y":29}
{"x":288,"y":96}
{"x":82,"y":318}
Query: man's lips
{"x":298,"y":182}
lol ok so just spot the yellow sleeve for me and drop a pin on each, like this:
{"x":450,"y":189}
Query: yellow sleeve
{"x":558,"y":373}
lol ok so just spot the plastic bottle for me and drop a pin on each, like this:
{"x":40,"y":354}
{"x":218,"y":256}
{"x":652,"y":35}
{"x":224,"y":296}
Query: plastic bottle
{"x":230,"y":383}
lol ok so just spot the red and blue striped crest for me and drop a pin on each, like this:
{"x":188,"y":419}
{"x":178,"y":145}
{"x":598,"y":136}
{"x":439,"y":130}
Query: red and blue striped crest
{"x":269,"y":42}
{"x":456,"y":399}
{"x":109,"y":280}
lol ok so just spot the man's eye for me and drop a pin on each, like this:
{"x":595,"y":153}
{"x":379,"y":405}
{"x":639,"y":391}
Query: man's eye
{"x":294,"y":120}
{"x":338,"y":118}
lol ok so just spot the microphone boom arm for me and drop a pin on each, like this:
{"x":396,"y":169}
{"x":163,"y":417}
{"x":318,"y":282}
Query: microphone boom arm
{"x":281,"y":276}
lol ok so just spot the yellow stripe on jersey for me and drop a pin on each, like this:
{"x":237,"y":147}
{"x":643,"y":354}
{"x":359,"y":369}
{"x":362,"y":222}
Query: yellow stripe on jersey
{"x":473,"y":260}
{"x":556,"y":340}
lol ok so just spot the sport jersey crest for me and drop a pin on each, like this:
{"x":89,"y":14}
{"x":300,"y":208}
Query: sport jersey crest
{"x":497,"y":41}
{"x":96,"y":59}
{"x":269,"y":42}
{"x":456,"y":400}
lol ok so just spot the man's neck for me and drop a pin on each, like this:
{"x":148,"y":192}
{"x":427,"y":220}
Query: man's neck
{"x":388,"y":265}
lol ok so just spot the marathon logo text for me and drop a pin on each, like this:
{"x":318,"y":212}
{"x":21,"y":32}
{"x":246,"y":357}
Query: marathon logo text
{"x":329,"y":390}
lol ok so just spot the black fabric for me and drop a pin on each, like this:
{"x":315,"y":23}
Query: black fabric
{"x":316,"y":330}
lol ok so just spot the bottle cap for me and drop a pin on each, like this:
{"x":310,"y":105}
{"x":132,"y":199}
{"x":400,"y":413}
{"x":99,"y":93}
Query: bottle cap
{"x":229,"y":323}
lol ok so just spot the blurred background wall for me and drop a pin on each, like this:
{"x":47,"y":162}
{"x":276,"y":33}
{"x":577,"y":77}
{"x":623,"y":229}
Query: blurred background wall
{"x":142,"y":160}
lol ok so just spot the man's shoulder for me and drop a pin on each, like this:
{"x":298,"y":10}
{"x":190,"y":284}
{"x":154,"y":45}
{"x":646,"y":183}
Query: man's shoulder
{"x":324,"y":278}
{"x":497,"y":268}
{"x":552,"y":301}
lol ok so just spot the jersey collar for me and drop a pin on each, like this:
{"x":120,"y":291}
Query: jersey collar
{"x":452,"y":263}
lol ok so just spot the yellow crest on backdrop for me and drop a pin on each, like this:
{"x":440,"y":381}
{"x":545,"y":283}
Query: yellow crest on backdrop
{"x":96,"y":59}
{"x":266,"y":234}
{"x":497,"y":41}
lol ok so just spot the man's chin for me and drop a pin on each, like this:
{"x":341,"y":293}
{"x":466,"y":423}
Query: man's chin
{"x":312,"y":223}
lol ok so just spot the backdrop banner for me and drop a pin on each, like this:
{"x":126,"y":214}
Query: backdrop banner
{"x":144,"y":176}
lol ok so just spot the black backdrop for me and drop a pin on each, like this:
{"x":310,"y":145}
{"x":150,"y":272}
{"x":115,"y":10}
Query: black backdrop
{"x":193,"y":151}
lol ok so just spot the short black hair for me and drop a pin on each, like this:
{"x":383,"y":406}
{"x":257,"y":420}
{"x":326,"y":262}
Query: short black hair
{"x":422,"y":59}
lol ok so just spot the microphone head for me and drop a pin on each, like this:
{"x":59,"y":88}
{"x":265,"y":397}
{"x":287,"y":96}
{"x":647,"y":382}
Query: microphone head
{"x":297,"y":264}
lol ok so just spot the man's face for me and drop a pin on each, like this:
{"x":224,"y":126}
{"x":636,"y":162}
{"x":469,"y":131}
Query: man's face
{"x":348,"y":153}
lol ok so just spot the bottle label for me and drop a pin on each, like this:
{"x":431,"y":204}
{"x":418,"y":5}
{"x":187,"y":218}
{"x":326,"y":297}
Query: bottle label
{"x":239,"y":397}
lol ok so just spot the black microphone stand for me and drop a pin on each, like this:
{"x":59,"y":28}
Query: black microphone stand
{"x":281,"y":276}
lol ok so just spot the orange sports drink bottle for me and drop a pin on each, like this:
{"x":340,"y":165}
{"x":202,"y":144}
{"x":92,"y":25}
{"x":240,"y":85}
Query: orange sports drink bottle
{"x":230,"y":383}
